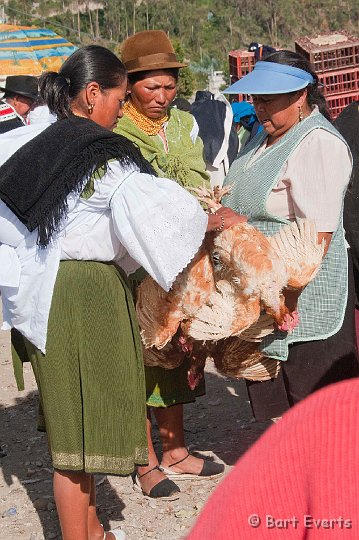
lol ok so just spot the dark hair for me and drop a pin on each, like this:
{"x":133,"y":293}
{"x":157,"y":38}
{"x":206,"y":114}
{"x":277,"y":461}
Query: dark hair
{"x":90,"y":63}
{"x":140,"y":75}
{"x":290,"y":58}
{"x":8,"y":95}
{"x":182,"y":104}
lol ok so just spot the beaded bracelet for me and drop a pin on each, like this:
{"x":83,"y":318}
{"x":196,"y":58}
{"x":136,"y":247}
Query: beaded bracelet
{"x":219,"y":229}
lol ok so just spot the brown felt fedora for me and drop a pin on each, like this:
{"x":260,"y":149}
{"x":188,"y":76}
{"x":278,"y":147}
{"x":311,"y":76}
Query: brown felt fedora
{"x":149,"y":50}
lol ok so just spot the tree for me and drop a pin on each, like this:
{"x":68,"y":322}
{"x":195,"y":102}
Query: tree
{"x":185,"y":87}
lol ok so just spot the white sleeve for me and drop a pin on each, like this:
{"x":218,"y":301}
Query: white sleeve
{"x":194,"y":131}
{"x":319,"y":172}
{"x":12,"y":233}
{"x":160,"y":224}
{"x":14,"y":139}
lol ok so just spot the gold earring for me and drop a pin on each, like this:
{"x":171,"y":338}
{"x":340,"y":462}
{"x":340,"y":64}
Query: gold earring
{"x":90,"y":108}
{"x":301,"y":115}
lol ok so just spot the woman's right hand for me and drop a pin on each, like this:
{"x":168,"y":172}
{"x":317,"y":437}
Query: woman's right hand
{"x":223,"y":219}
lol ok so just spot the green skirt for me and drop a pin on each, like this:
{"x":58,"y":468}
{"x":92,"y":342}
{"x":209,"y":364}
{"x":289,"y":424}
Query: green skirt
{"x":166,"y":387}
{"x":91,"y":380}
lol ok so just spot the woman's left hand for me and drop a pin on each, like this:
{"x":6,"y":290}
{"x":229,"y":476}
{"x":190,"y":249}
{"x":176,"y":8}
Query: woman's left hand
{"x":224,"y":218}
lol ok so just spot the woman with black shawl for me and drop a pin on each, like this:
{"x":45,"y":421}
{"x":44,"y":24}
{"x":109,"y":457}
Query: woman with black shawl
{"x":79,"y":209}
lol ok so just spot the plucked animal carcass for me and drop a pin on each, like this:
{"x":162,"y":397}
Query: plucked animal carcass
{"x":253,"y":365}
{"x":160,"y":313}
{"x":252,"y":275}
{"x":235,"y":287}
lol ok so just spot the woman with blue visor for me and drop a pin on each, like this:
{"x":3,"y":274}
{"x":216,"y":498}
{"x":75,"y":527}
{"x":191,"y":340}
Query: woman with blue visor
{"x":299,"y":166}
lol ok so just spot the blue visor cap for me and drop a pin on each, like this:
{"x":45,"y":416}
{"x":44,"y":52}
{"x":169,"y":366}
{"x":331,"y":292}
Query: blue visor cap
{"x":271,"y":78}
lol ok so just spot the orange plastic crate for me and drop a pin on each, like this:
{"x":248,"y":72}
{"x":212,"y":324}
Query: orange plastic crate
{"x":240,"y":63}
{"x":338,"y":102}
{"x":329,"y":52}
{"x":340,"y":82}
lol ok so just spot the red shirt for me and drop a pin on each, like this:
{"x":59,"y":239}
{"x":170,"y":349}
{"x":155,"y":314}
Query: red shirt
{"x":299,"y":480}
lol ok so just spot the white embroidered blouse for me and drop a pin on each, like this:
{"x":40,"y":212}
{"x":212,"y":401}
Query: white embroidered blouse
{"x":132,"y":218}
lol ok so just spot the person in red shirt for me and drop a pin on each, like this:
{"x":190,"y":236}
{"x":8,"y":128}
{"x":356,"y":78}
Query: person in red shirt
{"x":299,"y":480}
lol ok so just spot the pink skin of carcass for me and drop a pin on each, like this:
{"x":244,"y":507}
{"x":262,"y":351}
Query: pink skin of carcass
{"x":193,"y":377}
{"x":185,"y":345}
{"x":290,"y":321}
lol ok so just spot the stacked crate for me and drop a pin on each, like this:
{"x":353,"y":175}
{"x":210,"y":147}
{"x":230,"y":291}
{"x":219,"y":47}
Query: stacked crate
{"x":335,"y":58}
{"x":240,"y":63}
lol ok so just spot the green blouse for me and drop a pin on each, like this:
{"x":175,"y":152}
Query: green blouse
{"x":184,"y":161}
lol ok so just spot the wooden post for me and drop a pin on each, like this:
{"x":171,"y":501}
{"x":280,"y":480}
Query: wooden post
{"x":90,"y":19}
{"x":119,"y":23}
{"x":73,"y":15}
{"x":78,"y":20}
{"x":126,"y":22}
{"x":97,"y":26}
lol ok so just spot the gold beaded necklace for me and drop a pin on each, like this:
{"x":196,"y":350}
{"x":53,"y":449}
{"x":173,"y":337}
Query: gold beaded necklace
{"x":150,"y":126}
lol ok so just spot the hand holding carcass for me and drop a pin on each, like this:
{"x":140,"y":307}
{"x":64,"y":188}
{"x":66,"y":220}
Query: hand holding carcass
{"x":220,"y":217}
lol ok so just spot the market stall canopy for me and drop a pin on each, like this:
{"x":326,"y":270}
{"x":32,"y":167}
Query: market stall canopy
{"x":26,"y":50}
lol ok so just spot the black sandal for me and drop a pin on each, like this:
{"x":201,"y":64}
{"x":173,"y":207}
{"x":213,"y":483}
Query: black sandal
{"x":165,"y":489}
{"x":210,"y":470}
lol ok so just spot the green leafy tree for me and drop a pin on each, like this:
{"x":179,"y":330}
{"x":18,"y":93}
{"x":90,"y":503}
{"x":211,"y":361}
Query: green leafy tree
{"x":186,"y":86}
{"x":205,"y":29}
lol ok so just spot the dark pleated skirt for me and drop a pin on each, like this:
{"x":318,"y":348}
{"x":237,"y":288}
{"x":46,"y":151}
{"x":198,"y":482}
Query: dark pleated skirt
{"x":91,"y":380}
{"x":166,"y":387}
{"x":310,"y":366}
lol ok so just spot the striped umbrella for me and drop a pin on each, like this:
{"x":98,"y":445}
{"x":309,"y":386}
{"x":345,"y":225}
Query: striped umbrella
{"x":26,"y":50}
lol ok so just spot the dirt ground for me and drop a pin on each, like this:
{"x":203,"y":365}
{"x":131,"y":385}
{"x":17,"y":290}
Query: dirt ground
{"x":220,"y":423}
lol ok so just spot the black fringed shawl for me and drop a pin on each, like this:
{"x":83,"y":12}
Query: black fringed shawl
{"x":36,"y":180}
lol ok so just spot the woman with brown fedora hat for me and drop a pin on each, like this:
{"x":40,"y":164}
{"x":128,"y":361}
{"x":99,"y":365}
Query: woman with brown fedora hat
{"x":168,"y":139}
